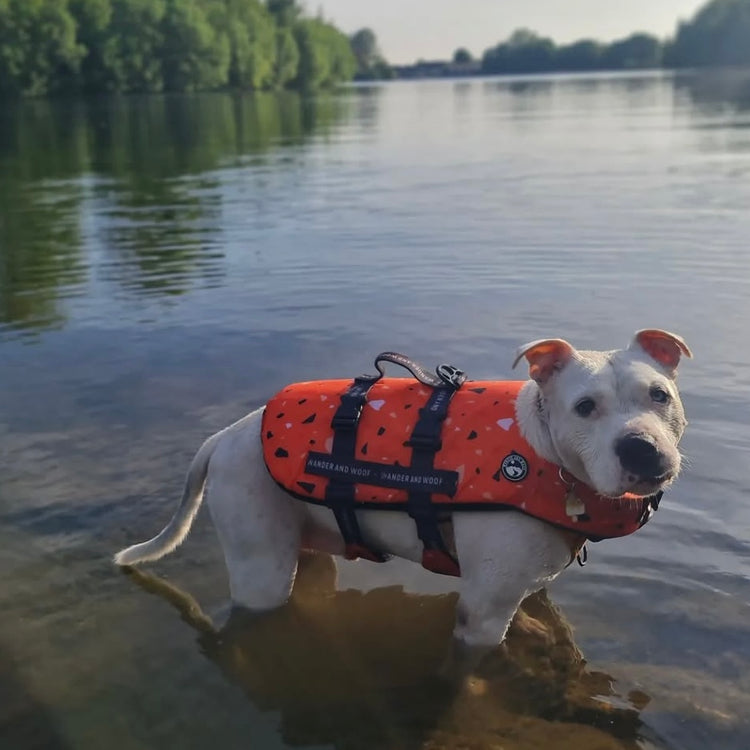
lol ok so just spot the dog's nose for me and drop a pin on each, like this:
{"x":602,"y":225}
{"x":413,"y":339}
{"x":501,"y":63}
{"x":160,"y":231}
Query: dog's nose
{"x":639,"y":455}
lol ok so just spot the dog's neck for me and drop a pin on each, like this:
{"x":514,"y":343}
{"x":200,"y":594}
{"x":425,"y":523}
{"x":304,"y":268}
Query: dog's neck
{"x":532,"y":421}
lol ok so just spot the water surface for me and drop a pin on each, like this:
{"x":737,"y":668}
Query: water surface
{"x":166,"y":263}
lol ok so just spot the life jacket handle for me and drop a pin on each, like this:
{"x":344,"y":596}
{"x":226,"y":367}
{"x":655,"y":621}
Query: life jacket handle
{"x":445,"y":374}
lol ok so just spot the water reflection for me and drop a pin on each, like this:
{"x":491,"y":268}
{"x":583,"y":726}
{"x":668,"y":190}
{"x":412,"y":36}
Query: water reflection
{"x":705,"y":90}
{"x":198,"y":252}
{"x":24,"y":722}
{"x":128,"y":195}
{"x":40,"y":253}
{"x":124,"y":190}
{"x":711,"y":90}
{"x":368,"y":670}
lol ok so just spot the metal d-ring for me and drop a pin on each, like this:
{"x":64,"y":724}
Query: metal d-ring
{"x":570,"y":485}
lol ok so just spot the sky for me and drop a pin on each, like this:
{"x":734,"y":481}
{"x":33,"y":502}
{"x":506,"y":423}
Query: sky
{"x":408,"y":30}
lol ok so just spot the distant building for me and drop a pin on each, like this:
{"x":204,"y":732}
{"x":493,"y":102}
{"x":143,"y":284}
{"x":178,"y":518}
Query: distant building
{"x":438,"y":69}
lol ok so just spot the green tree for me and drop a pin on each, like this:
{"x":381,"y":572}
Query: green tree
{"x":12,"y":51}
{"x":250,"y":31}
{"x":584,"y":54}
{"x":132,"y":44}
{"x":365,"y":48}
{"x":718,"y":34}
{"x":287,"y":57}
{"x":193,"y":54}
{"x":343,"y":64}
{"x":326,"y":57}
{"x":524,"y":52}
{"x":285,"y":12}
{"x":636,"y":51}
{"x":174,"y":45}
{"x":92,"y":19}
{"x":38,"y":48}
{"x":371,"y":65}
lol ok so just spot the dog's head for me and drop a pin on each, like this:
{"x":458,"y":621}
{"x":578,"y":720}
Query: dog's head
{"x":613,"y":419}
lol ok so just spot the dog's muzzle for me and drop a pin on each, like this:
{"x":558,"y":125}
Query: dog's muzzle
{"x":640,"y":457}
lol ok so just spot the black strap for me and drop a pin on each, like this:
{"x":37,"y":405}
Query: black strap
{"x":340,"y":491}
{"x":425,"y":442}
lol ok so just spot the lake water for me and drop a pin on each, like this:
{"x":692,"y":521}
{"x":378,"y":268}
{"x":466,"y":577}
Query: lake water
{"x":167,"y":263}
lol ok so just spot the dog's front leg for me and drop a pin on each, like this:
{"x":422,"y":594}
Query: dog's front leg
{"x":485,"y":608}
{"x":503,"y":556}
{"x":486,"y":605}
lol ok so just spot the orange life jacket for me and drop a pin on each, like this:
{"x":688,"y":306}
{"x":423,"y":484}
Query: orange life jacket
{"x":484,"y":463}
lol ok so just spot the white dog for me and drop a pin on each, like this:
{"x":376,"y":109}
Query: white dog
{"x":611,"y":419}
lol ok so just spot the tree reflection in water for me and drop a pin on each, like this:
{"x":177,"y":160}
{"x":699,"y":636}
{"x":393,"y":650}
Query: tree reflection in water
{"x":368,"y":670}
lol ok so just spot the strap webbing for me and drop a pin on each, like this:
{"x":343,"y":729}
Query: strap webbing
{"x":340,"y":491}
{"x":425,"y":442}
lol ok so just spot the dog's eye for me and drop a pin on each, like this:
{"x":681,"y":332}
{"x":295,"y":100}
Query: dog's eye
{"x":585,"y":406}
{"x":659,"y":395}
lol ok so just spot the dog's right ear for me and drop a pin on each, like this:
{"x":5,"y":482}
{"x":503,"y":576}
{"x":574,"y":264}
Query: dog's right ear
{"x":545,"y":357}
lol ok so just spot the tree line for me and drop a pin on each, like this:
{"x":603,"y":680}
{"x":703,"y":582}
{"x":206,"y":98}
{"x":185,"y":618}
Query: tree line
{"x":88,"y":46}
{"x":527,"y":52}
{"x":717,"y":35}
{"x":53,"y":46}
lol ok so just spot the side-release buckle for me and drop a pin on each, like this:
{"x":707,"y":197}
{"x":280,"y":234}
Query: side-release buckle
{"x":451,"y":375}
{"x":425,"y":442}
{"x":345,"y":421}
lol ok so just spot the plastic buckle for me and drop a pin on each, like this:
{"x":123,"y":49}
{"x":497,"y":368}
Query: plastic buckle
{"x":451,"y":375}
{"x":362,"y":384}
{"x":427,"y":442}
{"x":345,"y":421}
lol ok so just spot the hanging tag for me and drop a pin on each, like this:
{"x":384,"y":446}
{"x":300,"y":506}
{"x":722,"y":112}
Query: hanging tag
{"x":573,"y":504}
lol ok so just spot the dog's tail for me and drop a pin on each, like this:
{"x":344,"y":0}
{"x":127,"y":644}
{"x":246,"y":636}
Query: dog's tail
{"x":177,"y":529}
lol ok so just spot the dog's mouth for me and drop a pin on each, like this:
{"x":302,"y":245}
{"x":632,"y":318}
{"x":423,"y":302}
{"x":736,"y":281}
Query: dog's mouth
{"x":645,"y":486}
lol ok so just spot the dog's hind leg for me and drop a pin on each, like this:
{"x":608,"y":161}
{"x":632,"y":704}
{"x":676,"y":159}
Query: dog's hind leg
{"x":259,"y":525}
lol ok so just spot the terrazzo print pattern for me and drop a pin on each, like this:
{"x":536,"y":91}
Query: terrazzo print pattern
{"x":481,"y":442}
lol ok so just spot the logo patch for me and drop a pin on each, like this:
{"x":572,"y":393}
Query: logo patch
{"x":515,"y":467}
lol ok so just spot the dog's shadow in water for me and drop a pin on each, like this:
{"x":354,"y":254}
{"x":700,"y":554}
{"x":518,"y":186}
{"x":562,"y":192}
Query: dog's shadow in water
{"x":367,"y":670}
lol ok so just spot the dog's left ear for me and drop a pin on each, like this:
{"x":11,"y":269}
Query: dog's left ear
{"x":665,"y":347}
